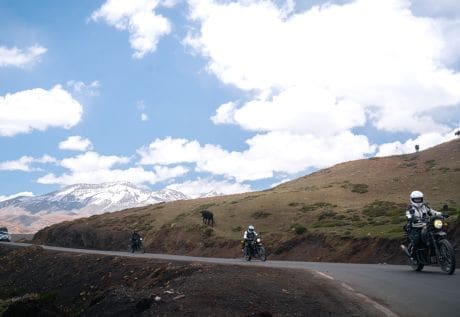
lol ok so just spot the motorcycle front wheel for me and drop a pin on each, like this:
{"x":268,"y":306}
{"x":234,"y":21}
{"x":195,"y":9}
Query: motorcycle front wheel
{"x":446,"y":257}
{"x":262,"y":254}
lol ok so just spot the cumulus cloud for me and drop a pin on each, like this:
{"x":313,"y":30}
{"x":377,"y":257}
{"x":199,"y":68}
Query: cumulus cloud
{"x":93,"y":168}
{"x":202,"y":187}
{"x":76,"y":143}
{"x":331,"y":63}
{"x":20,"y":57}
{"x":27,"y":194}
{"x":38,"y":109}
{"x":24,"y":163}
{"x":278,"y":151}
{"x":424,"y":141}
{"x":138,"y":17}
{"x":79,"y":87}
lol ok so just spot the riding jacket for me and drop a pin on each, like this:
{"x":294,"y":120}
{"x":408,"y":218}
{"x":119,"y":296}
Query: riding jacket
{"x":416,"y":216}
{"x":249,"y":235}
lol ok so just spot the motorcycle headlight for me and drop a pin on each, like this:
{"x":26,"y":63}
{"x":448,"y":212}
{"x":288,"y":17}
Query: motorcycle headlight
{"x":437,"y":223}
{"x":258,"y":240}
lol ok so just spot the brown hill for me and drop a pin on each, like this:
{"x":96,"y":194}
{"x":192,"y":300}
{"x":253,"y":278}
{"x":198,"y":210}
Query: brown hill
{"x":353,"y":211}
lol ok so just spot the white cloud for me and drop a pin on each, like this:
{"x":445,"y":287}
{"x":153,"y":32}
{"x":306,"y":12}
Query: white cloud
{"x":38,"y":109}
{"x":28,"y":194}
{"x":94,"y":168}
{"x":225,"y":114}
{"x":20,"y":58}
{"x":76,"y":143}
{"x":144,"y":117}
{"x":79,"y":87}
{"x":172,"y":151}
{"x":200,"y":187}
{"x":138,"y":17}
{"x":24,"y":163}
{"x":291,"y":111}
{"x":92,"y":161}
{"x":267,"y":154}
{"x":330,"y":64}
{"x":424,"y":142}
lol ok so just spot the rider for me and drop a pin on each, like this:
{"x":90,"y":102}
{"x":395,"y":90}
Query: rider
{"x":417,"y":214}
{"x":249,"y":235}
{"x":135,"y":238}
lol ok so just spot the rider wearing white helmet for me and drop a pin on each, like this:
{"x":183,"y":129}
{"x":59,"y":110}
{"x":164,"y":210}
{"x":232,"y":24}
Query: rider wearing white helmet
{"x":417,"y":214}
{"x":250,"y":234}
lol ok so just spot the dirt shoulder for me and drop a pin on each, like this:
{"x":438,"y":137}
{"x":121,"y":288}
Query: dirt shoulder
{"x":45,"y":283}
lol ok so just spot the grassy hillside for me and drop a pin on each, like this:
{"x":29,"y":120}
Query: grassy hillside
{"x":352,"y":200}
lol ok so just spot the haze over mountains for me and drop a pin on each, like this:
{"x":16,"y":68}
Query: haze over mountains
{"x":29,"y":214}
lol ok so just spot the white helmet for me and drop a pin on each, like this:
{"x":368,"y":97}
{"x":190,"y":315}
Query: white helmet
{"x":416,"y":198}
{"x":251,"y":228}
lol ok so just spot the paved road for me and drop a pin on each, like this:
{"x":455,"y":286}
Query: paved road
{"x":393,"y":289}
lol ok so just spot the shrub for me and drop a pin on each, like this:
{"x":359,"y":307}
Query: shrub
{"x":298,"y":229}
{"x":326,"y":214}
{"x":260,"y":214}
{"x":360,"y":188}
{"x":316,"y":206}
{"x":237,"y":229}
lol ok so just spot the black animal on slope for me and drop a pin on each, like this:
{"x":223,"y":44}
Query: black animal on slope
{"x":208,"y":217}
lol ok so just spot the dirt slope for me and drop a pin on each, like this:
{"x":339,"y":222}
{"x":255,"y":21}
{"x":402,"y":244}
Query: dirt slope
{"x":335,"y":214}
{"x":45,"y":283}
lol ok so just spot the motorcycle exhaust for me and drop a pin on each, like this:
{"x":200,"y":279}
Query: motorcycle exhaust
{"x":404,"y":248}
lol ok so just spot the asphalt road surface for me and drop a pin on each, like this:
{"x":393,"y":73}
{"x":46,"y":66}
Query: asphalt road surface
{"x":393,"y":289}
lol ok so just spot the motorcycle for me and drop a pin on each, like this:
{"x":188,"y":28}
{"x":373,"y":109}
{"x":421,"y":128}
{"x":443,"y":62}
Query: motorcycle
{"x":254,"y":248}
{"x":137,"y":245}
{"x":434,"y":248}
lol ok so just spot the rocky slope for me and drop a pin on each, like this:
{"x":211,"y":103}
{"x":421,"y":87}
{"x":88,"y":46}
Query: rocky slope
{"x":353,"y":211}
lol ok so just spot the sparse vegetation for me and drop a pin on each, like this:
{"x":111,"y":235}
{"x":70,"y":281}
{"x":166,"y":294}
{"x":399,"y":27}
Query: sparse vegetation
{"x":384,"y":208}
{"x":298,"y":229}
{"x":237,"y":229}
{"x":316,"y":206}
{"x":430,"y":164}
{"x":260,"y":214}
{"x":360,"y":188}
{"x":326,"y":214}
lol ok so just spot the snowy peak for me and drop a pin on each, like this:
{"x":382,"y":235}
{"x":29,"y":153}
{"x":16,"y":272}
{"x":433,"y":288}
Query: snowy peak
{"x":103,"y":197}
{"x":28,"y":214}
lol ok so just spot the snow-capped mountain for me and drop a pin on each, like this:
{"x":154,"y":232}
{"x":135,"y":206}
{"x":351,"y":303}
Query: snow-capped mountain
{"x":29,"y":214}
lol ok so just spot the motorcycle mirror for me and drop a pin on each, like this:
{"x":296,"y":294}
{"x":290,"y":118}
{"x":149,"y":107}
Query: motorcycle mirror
{"x":445,"y":207}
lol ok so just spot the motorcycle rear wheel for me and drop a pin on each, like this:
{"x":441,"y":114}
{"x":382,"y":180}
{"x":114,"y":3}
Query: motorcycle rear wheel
{"x":446,"y":257}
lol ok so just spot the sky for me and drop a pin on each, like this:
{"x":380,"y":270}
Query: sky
{"x":218,"y":95}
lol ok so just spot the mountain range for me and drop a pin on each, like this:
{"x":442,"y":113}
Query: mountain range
{"x":29,"y":214}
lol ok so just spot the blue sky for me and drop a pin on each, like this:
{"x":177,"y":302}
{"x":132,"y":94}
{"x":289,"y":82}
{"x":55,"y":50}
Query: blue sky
{"x":231,"y":96}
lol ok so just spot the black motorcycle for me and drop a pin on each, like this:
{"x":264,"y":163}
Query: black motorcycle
{"x":137,"y":245}
{"x":254,"y":248}
{"x":434,"y":248}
